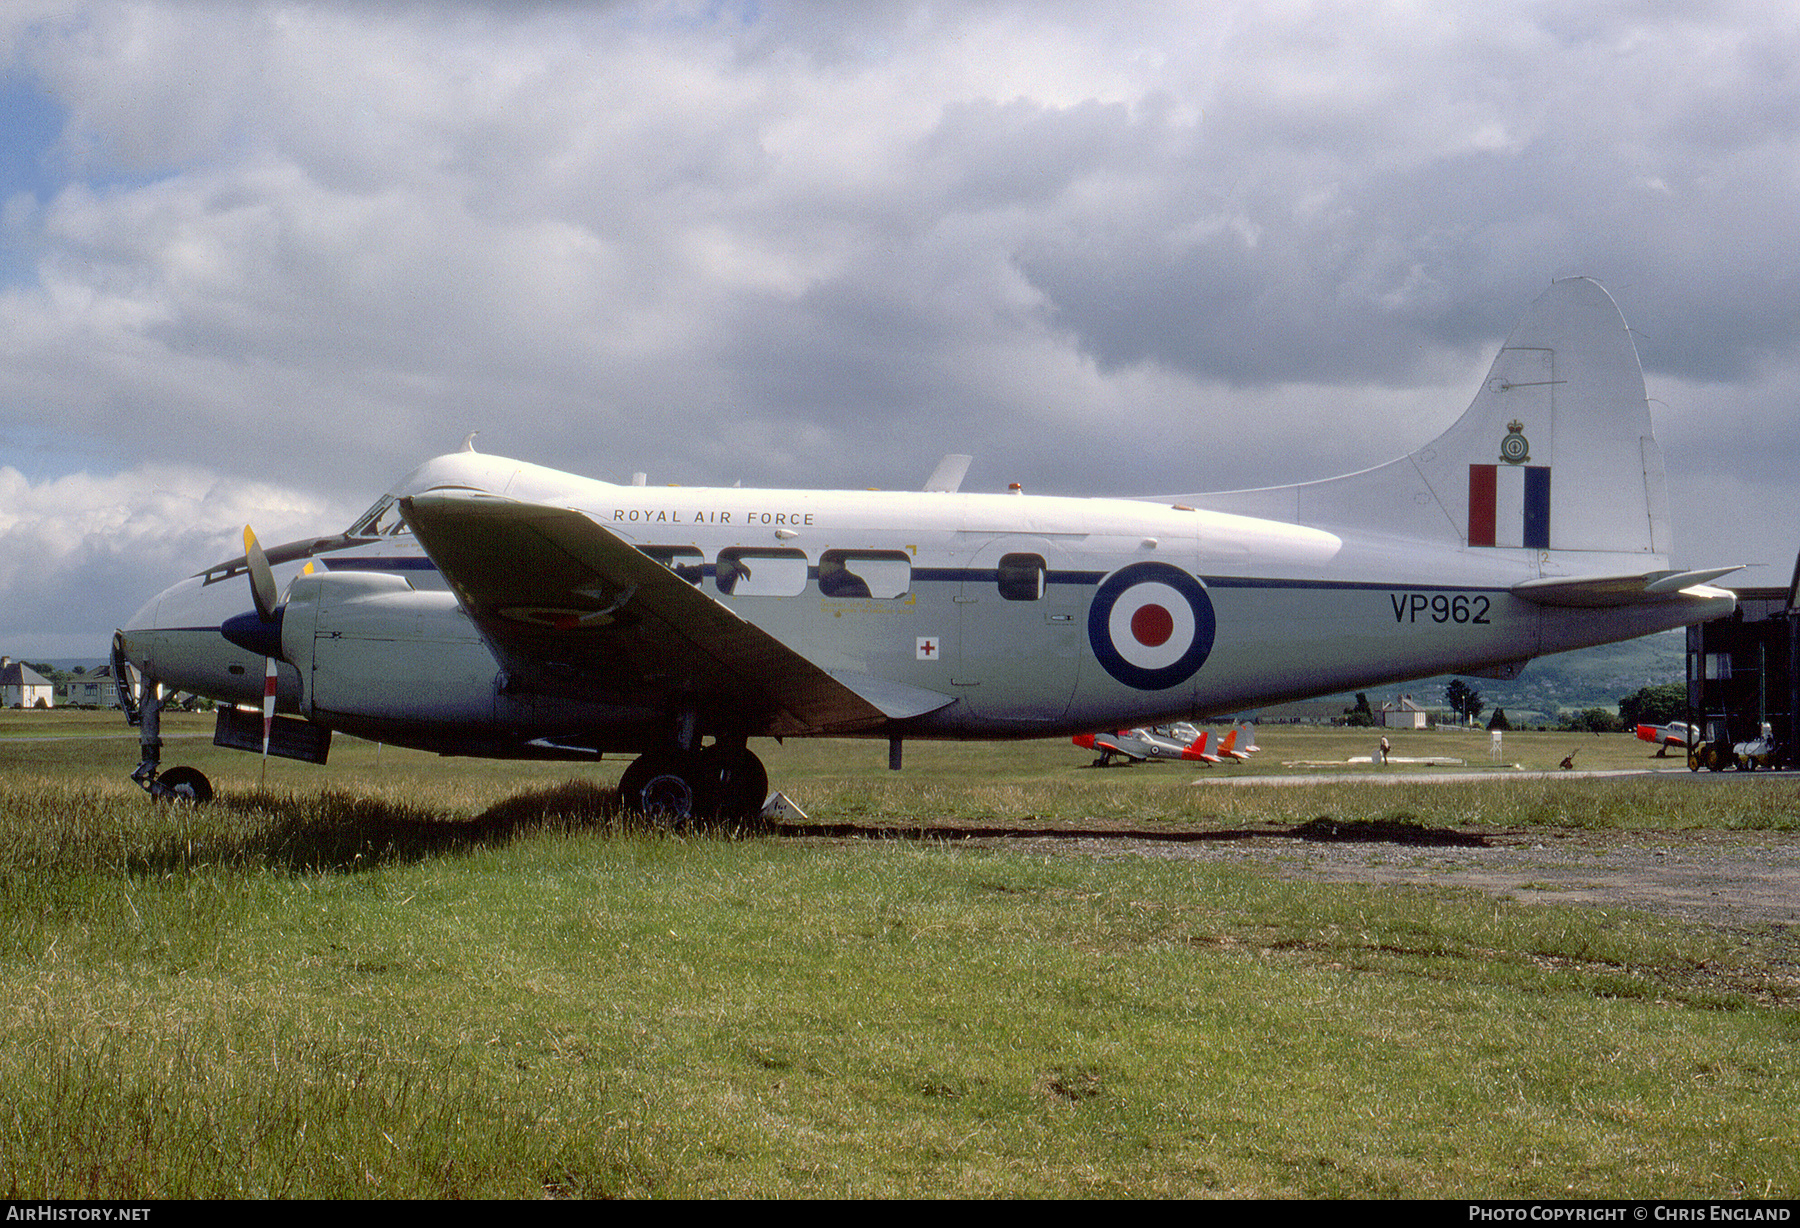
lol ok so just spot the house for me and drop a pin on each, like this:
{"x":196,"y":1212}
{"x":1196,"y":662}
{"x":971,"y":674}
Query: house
{"x":1403,"y":713}
{"x":95,"y":690}
{"x":23,"y":687}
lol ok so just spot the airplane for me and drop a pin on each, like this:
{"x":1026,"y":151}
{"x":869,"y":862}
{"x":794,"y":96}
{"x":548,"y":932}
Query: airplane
{"x":1228,"y":748}
{"x":1246,"y":731}
{"x":1141,"y":745}
{"x":1184,"y":731}
{"x":491,"y":607}
{"x":1677,"y":734}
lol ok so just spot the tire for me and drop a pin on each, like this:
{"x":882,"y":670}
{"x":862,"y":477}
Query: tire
{"x":186,"y":784}
{"x":736,"y":781}
{"x":663,"y":786}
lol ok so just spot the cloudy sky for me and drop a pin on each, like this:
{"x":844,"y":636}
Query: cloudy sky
{"x":258,"y":260}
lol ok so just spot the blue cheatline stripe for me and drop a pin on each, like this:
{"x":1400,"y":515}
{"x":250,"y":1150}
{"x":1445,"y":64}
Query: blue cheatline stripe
{"x":385,"y":562}
{"x":1537,"y":507}
{"x":1346,"y":585}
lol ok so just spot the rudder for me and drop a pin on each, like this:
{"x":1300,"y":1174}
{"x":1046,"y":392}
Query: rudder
{"x":1556,"y":451}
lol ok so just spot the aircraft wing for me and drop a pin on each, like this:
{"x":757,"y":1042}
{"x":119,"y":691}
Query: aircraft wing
{"x":1601,"y":591}
{"x":1128,"y":747}
{"x":571,"y":609}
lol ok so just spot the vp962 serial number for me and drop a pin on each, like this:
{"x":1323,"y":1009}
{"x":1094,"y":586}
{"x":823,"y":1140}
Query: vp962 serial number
{"x":1439,"y":607}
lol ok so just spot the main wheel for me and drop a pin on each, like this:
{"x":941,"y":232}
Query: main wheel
{"x":186,"y":784}
{"x":664,"y":785}
{"x":736,"y":781}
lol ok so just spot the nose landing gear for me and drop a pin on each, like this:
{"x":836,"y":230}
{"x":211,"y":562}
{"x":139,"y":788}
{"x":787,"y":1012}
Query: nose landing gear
{"x":144,"y":709}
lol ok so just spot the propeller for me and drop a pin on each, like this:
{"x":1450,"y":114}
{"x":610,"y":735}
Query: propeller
{"x":257,"y":630}
{"x":262,"y":633}
{"x":262,"y":576}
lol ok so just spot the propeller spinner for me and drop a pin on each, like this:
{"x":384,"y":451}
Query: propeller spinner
{"x":258,"y":630}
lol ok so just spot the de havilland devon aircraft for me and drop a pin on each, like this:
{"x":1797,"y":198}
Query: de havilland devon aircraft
{"x":496,"y":608}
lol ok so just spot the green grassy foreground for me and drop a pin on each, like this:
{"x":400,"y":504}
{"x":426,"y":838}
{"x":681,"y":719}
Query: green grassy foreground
{"x":396,"y":976}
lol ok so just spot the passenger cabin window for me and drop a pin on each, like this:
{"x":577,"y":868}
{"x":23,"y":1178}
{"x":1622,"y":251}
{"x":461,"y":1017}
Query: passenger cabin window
{"x":1022,"y":577}
{"x":881,"y":574}
{"x":746,"y":571}
{"x":685,"y":561}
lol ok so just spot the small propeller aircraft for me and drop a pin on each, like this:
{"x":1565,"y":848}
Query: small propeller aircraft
{"x":1141,"y":746}
{"x":491,"y":607}
{"x":1680,"y":733}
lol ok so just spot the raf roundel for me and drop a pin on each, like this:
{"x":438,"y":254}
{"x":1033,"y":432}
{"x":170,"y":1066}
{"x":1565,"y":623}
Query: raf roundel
{"x":1151,"y":625}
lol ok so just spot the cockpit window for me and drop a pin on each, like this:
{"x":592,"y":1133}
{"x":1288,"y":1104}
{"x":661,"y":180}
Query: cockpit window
{"x":382,"y":520}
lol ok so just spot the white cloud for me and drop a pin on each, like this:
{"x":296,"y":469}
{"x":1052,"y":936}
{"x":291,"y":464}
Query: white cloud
{"x":79,"y":554}
{"x":305,"y":246}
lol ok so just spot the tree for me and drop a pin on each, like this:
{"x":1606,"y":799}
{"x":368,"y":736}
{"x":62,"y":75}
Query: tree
{"x":1463,"y":699}
{"x":1590,"y":720}
{"x":1654,"y":705}
{"x":1499,"y":721}
{"x":1361,"y":716}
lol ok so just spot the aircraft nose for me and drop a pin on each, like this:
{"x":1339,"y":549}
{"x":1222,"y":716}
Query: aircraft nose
{"x":179,"y":638}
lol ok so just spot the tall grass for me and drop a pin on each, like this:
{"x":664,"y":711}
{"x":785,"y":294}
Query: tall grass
{"x":473,"y":984}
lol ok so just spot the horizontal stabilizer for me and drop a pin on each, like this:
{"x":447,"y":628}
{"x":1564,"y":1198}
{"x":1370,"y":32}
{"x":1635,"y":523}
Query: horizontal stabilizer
{"x":1602,"y":591}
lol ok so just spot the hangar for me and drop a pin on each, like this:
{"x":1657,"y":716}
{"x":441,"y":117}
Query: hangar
{"x":1741,"y":675}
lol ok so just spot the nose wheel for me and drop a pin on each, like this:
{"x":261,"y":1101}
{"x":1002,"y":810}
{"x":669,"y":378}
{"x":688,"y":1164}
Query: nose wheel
{"x":144,"y":709}
{"x":184,"y":784}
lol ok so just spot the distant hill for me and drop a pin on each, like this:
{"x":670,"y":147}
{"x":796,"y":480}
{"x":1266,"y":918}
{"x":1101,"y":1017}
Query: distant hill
{"x":1567,"y":682}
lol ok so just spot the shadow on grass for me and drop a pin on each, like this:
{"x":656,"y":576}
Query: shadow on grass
{"x":1401,"y":830}
{"x":341,"y":832}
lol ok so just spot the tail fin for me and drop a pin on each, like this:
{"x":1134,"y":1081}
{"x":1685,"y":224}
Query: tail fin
{"x":1196,"y":750}
{"x":1555,"y":452}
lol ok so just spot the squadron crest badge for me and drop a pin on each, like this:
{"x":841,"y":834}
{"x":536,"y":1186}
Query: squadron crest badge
{"x":1515,"y":449}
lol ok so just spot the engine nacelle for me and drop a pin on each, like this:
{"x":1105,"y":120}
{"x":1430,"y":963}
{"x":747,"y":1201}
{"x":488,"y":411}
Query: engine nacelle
{"x":370,"y":647}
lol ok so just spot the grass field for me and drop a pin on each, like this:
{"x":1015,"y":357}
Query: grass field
{"x":401,"y":976}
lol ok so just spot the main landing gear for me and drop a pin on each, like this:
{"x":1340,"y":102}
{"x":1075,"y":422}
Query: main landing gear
{"x":721,"y":781}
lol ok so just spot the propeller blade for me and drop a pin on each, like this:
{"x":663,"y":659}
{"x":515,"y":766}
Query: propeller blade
{"x":262,"y":576}
{"x":270,"y":676}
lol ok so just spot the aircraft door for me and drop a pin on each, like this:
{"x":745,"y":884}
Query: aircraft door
{"x":1019,"y":633}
